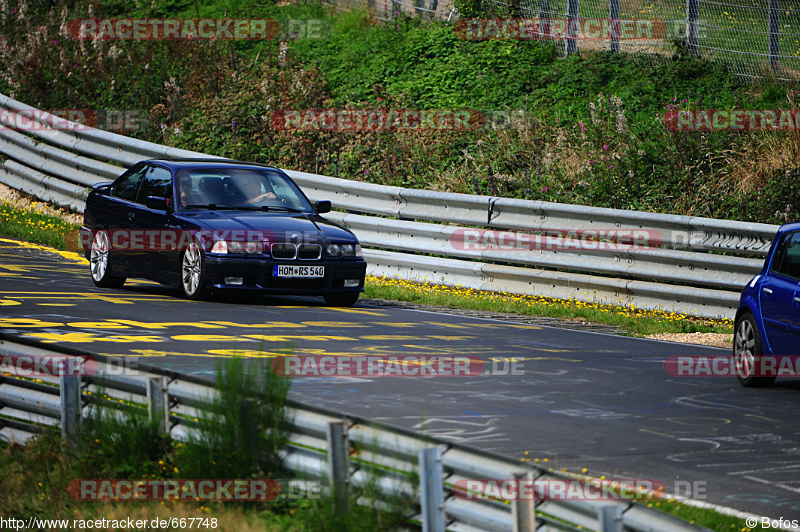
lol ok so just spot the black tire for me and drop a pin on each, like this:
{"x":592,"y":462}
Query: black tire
{"x":100,"y":262}
{"x":192,"y":282}
{"x":341,"y":300}
{"x":747,"y":353}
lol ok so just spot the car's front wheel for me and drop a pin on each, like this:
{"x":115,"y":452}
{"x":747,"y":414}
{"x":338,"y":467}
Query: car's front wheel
{"x":100,"y":262}
{"x":341,"y":300}
{"x":193,"y":272}
{"x":747,"y":353}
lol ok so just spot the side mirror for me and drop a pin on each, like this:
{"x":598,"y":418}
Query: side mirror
{"x":322,"y":206}
{"x":103,"y":189}
{"x":157,"y":203}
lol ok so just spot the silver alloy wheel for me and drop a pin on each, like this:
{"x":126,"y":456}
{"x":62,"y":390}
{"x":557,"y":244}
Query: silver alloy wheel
{"x":744,"y":344}
{"x":192,"y":269}
{"x":98,"y":256}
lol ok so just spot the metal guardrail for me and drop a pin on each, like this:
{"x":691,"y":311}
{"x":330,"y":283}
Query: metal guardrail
{"x":392,"y":459}
{"x":689,"y":264}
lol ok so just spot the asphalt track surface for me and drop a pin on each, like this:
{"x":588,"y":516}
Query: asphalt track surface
{"x":578,"y":399}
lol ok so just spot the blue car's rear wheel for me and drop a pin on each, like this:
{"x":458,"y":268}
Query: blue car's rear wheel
{"x":747,"y":353}
{"x":193,"y":272}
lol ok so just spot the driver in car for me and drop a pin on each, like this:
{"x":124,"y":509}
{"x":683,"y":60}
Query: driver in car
{"x":250,"y":188}
{"x":187,"y":197}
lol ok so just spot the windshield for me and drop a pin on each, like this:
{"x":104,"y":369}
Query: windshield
{"x":239,"y":188}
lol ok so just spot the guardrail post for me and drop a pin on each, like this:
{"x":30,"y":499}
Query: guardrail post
{"x":774,"y":34}
{"x":158,"y":403}
{"x":523,"y":512}
{"x":339,"y":464}
{"x":693,"y":26}
{"x":610,"y":518}
{"x":614,"y":24}
{"x":431,"y":489}
{"x":70,"y":391}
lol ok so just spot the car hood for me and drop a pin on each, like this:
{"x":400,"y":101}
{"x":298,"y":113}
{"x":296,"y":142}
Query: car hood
{"x":275,"y":227}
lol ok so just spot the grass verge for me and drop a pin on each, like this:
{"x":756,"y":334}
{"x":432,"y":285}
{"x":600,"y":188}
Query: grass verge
{"x":634,"y":321}
{"x":32,"y":225}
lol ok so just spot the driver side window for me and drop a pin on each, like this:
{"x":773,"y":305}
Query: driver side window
{"x":787,"y":256}
{"x":128,"y":185}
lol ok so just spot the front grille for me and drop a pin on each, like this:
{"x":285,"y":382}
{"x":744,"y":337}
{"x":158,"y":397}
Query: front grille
{"x":309,"y":251}
{"x":284,"y":251}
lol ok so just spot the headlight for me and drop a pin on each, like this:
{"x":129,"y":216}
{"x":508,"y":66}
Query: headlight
{"x":222,"y":247}
{"x":343,"y":250}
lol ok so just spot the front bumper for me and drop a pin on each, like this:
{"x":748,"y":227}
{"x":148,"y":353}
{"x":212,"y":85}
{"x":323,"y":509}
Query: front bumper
{"x":256,"y":274}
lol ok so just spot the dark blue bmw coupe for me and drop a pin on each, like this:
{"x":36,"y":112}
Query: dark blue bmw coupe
{"x":208,"y":224}
{"x":766,"y":341}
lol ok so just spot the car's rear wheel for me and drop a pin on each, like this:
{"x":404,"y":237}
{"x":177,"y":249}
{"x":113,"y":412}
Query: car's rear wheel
{"x":341,"y":300}
{"x":193,"y":272}
{"x":100,"y":262}
{"x":747,"y":353}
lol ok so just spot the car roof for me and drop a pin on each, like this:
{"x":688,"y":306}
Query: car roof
{"x":785,"y":228}
{"x":179,"y":164}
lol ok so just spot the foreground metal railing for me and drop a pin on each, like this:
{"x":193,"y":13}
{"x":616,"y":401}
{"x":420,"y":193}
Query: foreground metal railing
{"x":653,"y":261}
{"x":342,"y":449}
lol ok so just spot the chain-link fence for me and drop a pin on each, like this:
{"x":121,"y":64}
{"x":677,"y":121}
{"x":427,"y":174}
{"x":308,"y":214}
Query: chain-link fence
{"x":755,"y":38}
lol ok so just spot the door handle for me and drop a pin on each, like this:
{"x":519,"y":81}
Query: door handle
{"x":131,"y":215}
{"x":767,"y":290}
{"x":797,"y":300}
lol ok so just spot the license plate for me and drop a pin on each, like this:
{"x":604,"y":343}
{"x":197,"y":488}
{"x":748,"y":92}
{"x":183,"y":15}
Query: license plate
{"x":298,"y":271}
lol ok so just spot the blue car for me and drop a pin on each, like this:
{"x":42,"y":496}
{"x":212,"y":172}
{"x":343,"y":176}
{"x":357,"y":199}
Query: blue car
{"x":214,"y":224}
{"x":767,"y":328}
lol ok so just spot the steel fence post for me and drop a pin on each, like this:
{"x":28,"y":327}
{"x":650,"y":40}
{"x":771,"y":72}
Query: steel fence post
{"x":610,"y":518}
{"x":523,"y":512}
{"x":544,"y":19}
{"x":693,"y":26}
{"x":339,"y":464}
{"x":570,"y":41}
{"x":614,"y":24}
{"x":431,"y":488}
{"x":158,"y":403}
{"x":774,"y":34}
{"x":70,"y":391}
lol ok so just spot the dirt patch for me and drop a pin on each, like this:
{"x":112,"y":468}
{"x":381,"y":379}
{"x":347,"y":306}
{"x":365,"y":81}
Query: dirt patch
{"x":19,"y":199}
{"x":709,"y":339}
